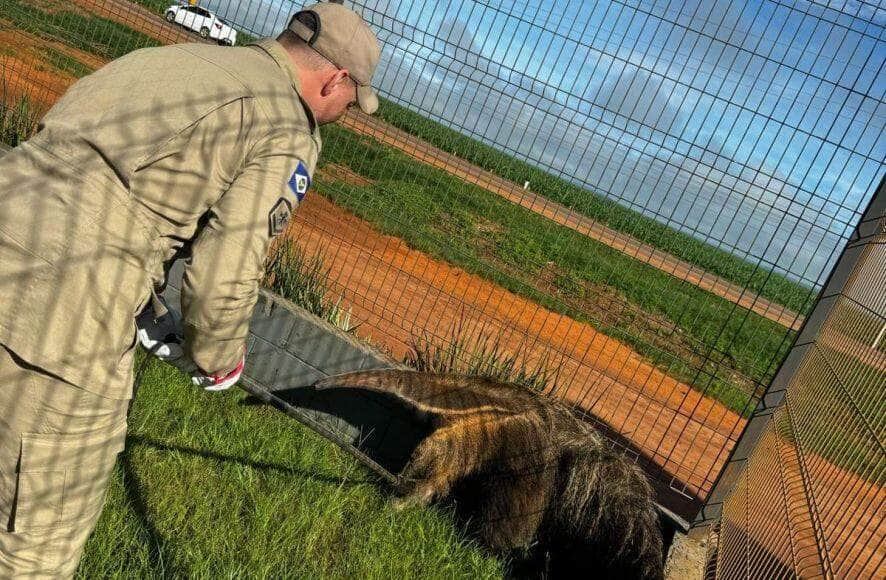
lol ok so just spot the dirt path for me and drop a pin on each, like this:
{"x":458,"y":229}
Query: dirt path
{"x":423,"y":151}
{"x":26,"y":72}
{"x":396,"y":293}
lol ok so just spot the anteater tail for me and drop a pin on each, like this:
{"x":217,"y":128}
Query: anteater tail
{"x":445,"y":395}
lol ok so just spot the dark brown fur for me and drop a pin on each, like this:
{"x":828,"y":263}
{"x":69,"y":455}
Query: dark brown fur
{"x":529,"y":472}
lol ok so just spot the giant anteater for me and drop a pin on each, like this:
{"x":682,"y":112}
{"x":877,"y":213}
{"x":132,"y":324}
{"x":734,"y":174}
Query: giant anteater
{"x":532,"y":476}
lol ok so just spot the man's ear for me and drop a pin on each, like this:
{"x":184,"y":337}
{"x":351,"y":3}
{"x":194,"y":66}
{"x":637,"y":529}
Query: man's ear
{"x":333,"y":81}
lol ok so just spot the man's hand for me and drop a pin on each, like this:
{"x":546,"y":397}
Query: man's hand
{"x":219,"y":382}
{"x":162,"y":336}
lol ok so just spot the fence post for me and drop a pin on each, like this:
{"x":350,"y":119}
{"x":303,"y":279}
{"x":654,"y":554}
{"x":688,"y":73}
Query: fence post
{"x":806,"y":337}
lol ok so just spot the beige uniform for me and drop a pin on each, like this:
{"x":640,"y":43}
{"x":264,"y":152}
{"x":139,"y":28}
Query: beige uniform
{"x":187,"y":143}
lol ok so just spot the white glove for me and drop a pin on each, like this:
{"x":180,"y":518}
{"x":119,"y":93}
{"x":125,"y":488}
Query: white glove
{"x":219,"y":382}
{"x":161,"y":335}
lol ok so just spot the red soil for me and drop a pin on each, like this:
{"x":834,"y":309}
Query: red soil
{"x":26,"y":72}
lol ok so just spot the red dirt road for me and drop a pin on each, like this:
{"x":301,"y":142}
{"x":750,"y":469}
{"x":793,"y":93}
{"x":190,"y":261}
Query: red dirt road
{"x":24,"y":69}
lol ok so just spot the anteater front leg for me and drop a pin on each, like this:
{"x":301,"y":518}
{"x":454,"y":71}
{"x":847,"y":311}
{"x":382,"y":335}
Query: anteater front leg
{"x":445,"y":457}
{"x":427,"y":476}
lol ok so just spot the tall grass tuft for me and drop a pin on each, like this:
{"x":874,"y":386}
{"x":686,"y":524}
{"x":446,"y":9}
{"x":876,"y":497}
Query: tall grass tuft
{"x":18,"y":119}
{"x":305,"y":281}
{"x":482,"y":356}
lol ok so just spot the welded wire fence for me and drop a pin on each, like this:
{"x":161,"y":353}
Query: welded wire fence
{"x":644,"y":197}
{"x":807,"y":501}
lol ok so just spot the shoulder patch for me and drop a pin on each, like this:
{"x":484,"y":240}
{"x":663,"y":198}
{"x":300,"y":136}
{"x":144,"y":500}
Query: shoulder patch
{"x":278,"y":216}
{"x":300,"y":181}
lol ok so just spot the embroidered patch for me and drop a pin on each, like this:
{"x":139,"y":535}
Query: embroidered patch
{"x":300,"y":181}
{"x":278,"y":216}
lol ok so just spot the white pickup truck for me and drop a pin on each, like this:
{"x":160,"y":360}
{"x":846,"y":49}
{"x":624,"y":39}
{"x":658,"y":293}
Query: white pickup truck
{"x":203,"y":22}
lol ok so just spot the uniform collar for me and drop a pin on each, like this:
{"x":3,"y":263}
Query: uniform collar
{"x":276,"y":51}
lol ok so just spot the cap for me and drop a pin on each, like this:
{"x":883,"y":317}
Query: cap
{"x":341,"y":36}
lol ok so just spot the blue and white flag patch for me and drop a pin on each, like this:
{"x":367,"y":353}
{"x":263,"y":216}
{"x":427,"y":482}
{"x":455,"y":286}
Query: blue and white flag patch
{"x":300,"y":181}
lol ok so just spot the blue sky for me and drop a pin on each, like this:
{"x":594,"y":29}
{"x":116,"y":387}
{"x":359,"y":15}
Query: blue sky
{"x":757,"y":126}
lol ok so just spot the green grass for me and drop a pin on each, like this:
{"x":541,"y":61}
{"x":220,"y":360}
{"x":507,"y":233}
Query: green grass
{"x":244,"y":37}
{"x":158,"y":6}
{"x":211,"y":488}
{"x":86,"y":32}
{"x":305,"y":281}
{"x":18,"y":119}
{"x":695,"y":336}
{"x":483,"y":356}
{"x":66,"y":63}
{"x":768,"y":284}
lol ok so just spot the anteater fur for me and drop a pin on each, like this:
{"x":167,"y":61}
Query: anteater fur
{"x":532,"y":476}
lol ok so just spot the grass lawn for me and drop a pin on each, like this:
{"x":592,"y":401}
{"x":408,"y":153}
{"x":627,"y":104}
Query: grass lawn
{"x":210,"y":487}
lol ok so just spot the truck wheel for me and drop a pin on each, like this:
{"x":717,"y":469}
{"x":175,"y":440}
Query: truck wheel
{"x":170,"y":16}
{"x":204,"y":32}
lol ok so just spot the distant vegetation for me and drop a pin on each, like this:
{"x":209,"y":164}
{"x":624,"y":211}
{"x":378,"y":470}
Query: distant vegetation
{"x":87,"y":32}
{"x":768,"y":284}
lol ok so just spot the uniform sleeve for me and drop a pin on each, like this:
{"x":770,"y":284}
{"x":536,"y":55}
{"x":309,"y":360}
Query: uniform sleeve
{"x":222,"y":276}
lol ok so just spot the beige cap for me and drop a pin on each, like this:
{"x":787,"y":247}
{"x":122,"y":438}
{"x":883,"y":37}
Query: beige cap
{"x":341,"y":36}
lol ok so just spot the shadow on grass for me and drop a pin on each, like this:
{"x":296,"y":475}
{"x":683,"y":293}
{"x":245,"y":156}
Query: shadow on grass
{"x":382,"y":426}
{"x":157,"y":559}
{"x":258,"y":465}
{"x":160,"y":560}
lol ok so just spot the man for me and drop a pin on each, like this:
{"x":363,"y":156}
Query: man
{"x":189,"y":144}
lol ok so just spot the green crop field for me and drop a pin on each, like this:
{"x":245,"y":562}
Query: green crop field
{"x":87,"y":32}
{"x":761,"y":281}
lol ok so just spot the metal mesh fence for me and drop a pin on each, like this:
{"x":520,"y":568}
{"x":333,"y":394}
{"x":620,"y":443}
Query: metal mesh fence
{"x":644,"y":198}
{"x":809,"y":502}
